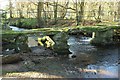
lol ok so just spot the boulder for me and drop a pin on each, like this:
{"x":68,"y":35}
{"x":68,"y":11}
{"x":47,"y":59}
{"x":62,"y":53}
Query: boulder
{"x":61,"y":47}
{"x":103,"y":37}
{"x":14,"y":41}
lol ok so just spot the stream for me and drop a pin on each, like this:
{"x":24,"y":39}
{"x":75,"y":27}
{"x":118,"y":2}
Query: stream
{"x":91,"y":61}
{"x":101,"y":62}
{"x":17,"y":29}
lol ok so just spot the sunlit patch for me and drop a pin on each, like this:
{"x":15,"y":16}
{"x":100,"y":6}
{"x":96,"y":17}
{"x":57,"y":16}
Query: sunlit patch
{"x":88,"y":70}
{"x":32,"y":75}
{"x":108,"y":73}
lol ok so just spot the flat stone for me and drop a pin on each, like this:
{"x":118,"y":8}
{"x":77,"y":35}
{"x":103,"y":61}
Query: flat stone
{"x":32,"y":42}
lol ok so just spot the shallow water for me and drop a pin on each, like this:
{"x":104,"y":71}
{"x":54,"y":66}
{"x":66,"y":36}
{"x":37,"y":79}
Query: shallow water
{"x":94,"y":61}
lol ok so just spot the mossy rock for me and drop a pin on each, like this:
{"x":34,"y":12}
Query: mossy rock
{"x":61,"y":46}
{"x":10,"y":41}
{"x":103,"y":37}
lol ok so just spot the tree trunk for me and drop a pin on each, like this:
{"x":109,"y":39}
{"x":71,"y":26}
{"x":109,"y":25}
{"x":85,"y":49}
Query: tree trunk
{"x":64,"y":11}
{"x":77,"y":13}
{"x":55,"y":12}
{"x":39,"y":14}
{"x":21,"y":6}
{"x":81,"y":12}
{"x":10,"y":8}
{"x":119,"y":12}
{"x":45,"y":17}
{"x":20,"y":14}
{"x":99,"y":14}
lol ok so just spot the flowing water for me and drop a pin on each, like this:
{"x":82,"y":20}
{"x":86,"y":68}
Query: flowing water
{"x":16,"y":28}
{"x":101,"y":62}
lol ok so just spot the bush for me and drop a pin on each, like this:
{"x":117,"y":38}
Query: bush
{"x":25,"y":23}
{"x":29,"y":23}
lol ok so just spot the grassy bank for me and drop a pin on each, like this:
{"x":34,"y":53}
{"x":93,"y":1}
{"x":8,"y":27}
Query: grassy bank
{"x":31,"y":23}
{"x":24,"y":23}
{"x":55,"y":30}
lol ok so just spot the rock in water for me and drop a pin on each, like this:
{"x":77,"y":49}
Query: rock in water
{"x":103,"y":37}
{"x":61,"y":47}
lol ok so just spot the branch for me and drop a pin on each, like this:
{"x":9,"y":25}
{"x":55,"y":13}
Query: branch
{"x":60,"y":6}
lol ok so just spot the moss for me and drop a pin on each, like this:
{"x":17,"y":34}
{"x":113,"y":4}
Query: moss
{"x":54,"y":30}
{"x":97,"y":28}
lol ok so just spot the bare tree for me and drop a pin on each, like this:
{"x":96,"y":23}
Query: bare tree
{"x":20,"y":6}
{"x":64,"y":10}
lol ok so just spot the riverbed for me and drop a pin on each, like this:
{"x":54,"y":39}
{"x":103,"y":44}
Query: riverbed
{"x":90,"y":62}
{"x":100,"y":63}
